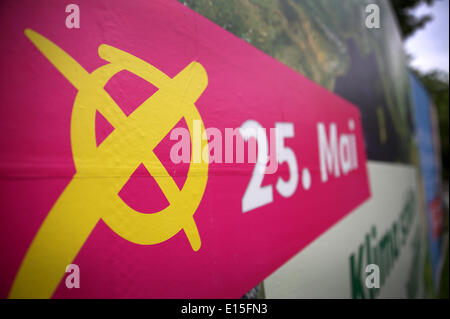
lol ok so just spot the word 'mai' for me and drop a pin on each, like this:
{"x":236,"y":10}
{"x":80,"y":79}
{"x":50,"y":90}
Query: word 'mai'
{"x":337,"y":151}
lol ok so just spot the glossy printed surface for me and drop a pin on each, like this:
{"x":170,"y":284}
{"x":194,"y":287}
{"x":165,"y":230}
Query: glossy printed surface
{"x":311,"y":190}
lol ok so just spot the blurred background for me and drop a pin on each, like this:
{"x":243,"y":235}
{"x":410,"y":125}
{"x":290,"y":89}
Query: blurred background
{"x":425,"y":28}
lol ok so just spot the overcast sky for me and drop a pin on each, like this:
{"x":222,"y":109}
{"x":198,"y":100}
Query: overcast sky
{"x":429,"y":46}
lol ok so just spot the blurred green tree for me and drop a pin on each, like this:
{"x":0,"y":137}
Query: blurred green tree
{"x":410,"y":23}
{"x":436,"y":82}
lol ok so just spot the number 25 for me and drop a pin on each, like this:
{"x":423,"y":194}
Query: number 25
{"x":256,"y":195}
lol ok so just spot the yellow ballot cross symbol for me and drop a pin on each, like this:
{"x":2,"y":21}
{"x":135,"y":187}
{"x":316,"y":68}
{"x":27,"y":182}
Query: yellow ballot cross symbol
{"x":101,"y":171}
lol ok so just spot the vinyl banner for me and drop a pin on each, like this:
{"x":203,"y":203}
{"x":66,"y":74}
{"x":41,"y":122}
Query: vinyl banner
{"x":428,"y":145}
{"x":156,"y":155}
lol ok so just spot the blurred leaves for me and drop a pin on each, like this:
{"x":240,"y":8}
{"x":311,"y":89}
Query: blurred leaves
{"x":409,"y":23}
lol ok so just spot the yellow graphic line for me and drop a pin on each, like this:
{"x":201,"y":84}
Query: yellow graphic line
{"x":102,"y":171}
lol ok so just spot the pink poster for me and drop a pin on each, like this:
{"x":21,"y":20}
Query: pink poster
{"x":96,"y":170}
